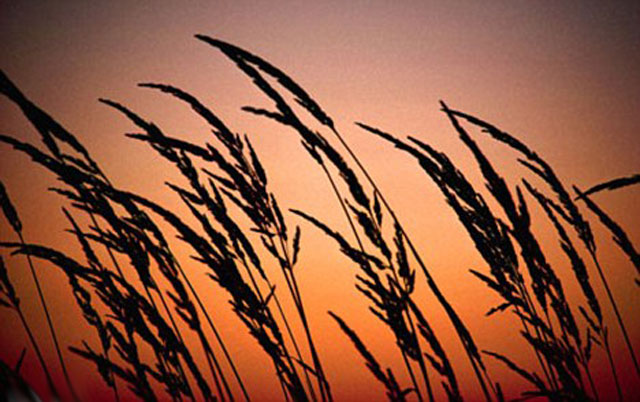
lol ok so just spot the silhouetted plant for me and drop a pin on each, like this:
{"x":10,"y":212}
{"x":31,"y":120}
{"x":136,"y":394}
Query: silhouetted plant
{"x":129,"y":285}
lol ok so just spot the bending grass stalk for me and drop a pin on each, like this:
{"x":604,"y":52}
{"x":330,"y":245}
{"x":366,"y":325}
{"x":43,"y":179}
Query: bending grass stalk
{"x":90,"y":256}
{"x":232,"y":280}
{"x":47,"y":126}
{"x":262,"y":299}
{"x":546,"y":283}
{"x":461,"y":329}
{"x":361,"y":247}
{"x":582,"y":276}
{"x":116,"y":264}
{"x":611,"y":185}
{"x":576,"y":220}
{"x":151,"y":128}
{"x":619,"y":235}
{"x":14,"y":220}
{"x":233,"y":145}
{"x":377,"y":221}
{"x":431,"y":168}
{"x":394,"y":392}
{"x":242,"y":59}
{"x":32,"y":339}
{"x":210,"y":356}
{"x":50,"y":324}
{"x":175,"y":394}
{"x":14,"y":302}
{"x":323,"y":384}
{"x":297,"y":302}
{"x":258,"y":176}
{"x":151,"y":300}
{"x":617,"y":313}
{"x":214,"y":330}
{"x":288,"y":119}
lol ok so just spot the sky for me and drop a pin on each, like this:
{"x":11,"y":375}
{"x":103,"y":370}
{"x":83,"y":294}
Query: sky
{"x":562,"y":76}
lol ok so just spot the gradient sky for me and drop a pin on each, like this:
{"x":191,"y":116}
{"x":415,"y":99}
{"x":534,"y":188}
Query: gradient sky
{"x":562,"y":76}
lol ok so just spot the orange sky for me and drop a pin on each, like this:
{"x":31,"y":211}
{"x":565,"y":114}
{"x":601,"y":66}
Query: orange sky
{"x":562,"y":77}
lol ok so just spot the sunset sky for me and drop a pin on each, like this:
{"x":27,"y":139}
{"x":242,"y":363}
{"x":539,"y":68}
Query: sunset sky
{"x":564,"y":77}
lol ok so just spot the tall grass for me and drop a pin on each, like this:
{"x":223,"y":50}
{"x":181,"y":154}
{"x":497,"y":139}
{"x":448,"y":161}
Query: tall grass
{"x":152,"y":326}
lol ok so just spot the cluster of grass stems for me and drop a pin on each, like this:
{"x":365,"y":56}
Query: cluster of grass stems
{"x":137,"y":296}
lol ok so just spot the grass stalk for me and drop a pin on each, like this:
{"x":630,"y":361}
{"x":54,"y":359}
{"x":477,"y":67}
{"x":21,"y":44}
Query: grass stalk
{"x":52,"y":331}
{"x":34,"y":343}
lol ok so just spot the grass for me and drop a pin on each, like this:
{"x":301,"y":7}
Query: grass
{"x":135,"y":293}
